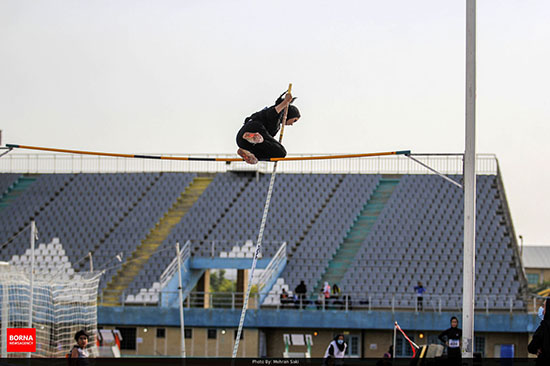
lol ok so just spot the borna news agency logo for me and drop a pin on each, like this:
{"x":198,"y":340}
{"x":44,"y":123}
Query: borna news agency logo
{"x":21,"y":340}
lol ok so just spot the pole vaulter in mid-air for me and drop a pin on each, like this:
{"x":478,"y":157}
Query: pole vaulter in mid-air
{"x":256,"y":138}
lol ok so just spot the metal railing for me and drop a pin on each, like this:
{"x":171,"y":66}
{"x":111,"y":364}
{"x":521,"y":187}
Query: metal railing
{"x":270,"y":271}
{"x":213,"y":248}
{"x":398,"y":164}
{"x":535,"y":302}
{"x":347,"y":302}
{"x":169,"y":272}
{"x":402,"y":302}
{"x":197,"y":299}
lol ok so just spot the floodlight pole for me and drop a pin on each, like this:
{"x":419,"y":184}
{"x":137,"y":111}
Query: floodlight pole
{"x":468,"y":293}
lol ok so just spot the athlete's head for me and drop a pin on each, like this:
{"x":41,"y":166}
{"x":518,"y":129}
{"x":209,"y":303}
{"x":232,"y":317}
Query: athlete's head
{"x":292,"y":116}
{"x":454,"y":322}
{"x":81,"y":337}
{"x":293,"y":113}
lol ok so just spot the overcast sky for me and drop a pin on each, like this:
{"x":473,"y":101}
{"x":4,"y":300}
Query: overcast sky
{"x":180,"y":76}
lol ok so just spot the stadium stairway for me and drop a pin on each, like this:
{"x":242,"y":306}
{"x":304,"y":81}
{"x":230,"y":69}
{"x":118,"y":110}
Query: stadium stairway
{"x":125,"y":275}
{"x":345,"y":255}
{"x":18,"y":187}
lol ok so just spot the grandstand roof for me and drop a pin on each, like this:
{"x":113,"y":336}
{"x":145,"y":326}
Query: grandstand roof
{"x":536,"y":256}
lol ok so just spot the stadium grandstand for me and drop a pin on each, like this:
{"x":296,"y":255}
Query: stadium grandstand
{"x":376,"y":228}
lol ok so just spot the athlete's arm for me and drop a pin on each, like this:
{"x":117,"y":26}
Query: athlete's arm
{"x":284,"y":103}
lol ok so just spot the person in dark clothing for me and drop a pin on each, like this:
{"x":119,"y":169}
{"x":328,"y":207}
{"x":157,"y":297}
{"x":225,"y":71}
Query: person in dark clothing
{"x":301,"y":291}
{"x":335,"y":291}
{"x":284,"y":298}
{"x":540,"y":344}
{"x":420,"y":290}
{"x":386,"y":359}
{"x":452,"y":338}
{"x":335,"y":296}
{"x":389,"y":354}
{"x":256,"y":138}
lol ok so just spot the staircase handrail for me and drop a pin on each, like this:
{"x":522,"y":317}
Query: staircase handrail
{"x":172,"y":268}
{"x":271,"y":270}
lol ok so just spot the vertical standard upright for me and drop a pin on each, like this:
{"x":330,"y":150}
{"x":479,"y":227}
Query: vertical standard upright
{"x":31,"y":296}
{"x":468,"y":292}
{"x":180,"y":290}
{"x":4,"y":320}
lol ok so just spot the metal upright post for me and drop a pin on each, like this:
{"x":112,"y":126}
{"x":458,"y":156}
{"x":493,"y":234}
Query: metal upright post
{"x":468,"y":293}
{"x":33,"y":238}
{"x":394,"y":340}
{"x":180,"y":288}
{"x":4,"y":324}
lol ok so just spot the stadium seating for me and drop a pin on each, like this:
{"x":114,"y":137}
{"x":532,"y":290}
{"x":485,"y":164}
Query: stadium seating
{"x":420,"y":235}
{"x":417,"y":237}
{"x":140,"y":220}
{"x":50,"y":259}
{"x":29,"y":204}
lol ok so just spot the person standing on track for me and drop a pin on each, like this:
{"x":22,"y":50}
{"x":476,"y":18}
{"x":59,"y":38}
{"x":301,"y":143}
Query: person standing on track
{"x":336,"y":351}
{"x":256,"y":137}
{"x":452,"y":338}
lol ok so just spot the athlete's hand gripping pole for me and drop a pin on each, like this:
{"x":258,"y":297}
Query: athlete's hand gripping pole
{"x":285,"y":114}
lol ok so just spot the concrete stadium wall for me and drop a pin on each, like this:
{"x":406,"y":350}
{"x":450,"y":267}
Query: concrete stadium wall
{"x":199,"y":345}
{"x":373,"y":329}
{"x":383,"y":320}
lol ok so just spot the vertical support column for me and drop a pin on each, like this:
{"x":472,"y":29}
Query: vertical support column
{"x":468,"y":295}
{"x":203,"y":287}
{"x":207,"y":294}
{"x":242,"y":285}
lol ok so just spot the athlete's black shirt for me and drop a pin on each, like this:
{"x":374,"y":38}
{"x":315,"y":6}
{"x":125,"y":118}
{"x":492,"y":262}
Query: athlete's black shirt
{"x":269,"y":118}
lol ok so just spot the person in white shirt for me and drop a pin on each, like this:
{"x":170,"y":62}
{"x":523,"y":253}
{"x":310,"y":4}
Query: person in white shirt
{"x":336,"y":350}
